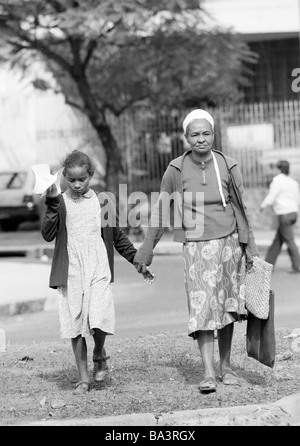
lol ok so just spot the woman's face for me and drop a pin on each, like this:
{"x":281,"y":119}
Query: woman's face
{"x":200,"y":136}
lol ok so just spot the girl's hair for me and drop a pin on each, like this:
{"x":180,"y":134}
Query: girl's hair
{"x":77,"y":158}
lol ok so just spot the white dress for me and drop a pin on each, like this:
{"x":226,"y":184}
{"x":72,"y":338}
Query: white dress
{"x":87,"y":301}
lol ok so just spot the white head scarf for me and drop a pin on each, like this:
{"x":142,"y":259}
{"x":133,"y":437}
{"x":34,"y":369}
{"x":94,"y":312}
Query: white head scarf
{"x":197,"y":114}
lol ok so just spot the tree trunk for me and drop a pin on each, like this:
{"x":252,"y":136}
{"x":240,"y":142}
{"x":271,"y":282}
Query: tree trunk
{"x":113,"y":158}
{"x":98,"y":121}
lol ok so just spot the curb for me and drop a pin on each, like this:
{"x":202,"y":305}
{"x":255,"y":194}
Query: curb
{"x":284,"y":412}
{"x":30,"y":251}
{"x":29,"y":306}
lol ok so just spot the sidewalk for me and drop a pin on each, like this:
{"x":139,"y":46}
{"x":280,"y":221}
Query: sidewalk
{"x":17,"y":298}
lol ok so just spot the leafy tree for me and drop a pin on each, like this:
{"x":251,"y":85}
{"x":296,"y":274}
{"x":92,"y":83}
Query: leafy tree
{"x":107,"y":55}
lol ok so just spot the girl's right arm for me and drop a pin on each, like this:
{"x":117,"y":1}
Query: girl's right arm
{"x":51,"y":219}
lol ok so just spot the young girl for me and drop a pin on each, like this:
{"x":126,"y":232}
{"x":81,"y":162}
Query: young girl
{"x":82,"y":265}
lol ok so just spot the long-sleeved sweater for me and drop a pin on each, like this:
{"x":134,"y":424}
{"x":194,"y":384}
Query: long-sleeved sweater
{"x":172,"y":186}
{"x":54,"y":227}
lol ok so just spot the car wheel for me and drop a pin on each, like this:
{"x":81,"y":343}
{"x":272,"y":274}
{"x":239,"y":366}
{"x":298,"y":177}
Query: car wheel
{"x":9,"y":225}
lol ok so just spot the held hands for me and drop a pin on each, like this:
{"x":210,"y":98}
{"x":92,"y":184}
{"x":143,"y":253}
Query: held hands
{"x":146,"y":272}
{"x":148,"y":276}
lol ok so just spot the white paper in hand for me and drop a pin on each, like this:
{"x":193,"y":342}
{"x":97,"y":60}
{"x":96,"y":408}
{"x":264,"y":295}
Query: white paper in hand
{"x":44,"y":179}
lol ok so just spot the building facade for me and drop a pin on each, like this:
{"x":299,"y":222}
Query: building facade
{"x":272,"y":30}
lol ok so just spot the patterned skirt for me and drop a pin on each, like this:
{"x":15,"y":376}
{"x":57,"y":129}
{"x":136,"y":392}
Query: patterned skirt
{"x":214,"y":273}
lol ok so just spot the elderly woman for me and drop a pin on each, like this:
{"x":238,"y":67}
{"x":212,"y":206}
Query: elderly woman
{"x":205,"y":187}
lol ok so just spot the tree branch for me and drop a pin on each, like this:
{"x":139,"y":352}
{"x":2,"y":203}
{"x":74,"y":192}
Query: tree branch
{"x":90,"y":50}
{"x":74,"y":104}
{"x":19,"y":46}
{"x":57,"y":6}
{"x":46,"y":51}
{"x":93,"y":44}
{"x":117,"y":111}
{"x":77,"y":70}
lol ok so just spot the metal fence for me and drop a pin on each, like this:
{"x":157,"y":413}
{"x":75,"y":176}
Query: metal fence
{"x":256,"y":135}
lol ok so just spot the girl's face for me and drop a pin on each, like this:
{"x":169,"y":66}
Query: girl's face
{"x":78,"y":179}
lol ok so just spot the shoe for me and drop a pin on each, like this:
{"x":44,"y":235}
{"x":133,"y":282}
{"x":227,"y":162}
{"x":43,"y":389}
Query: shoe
{"x":100,"y":367}
{"x":208,"y":385}
{"x":230,"y":378}
{"x":294,"y":271}
{"x":81,"y":388}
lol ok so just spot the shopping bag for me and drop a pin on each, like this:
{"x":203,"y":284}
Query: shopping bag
{"x":257,"y":287}
{"x":260,"y":336}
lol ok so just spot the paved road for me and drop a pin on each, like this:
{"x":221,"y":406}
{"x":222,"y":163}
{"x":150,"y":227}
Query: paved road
{"x":143,"y":309}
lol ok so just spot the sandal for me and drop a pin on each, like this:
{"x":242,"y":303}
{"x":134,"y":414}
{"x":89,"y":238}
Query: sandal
{"x":100,"y":367}
{"x":208,"y":385}
{"x":82,"y":387}
{"x":230,"y":378}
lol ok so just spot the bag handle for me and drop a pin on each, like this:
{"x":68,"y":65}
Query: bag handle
{"x":238,"y":198}
{"x":234,"y":187}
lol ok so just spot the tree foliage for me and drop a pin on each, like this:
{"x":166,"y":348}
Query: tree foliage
{"x":108,"y":55}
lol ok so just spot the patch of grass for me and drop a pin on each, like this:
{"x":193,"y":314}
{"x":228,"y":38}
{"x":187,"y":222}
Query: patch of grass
{"x":156,"y":373}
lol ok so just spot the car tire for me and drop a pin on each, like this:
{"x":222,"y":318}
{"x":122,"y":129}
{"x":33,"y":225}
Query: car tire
{"x":9,"y":225}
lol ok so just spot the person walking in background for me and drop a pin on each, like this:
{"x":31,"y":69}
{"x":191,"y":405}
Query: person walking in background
{"x":215,"y":252}
{"x":82,"y":264}
{"x":284,"y":197}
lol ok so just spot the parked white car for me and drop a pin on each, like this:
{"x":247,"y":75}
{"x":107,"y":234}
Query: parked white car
{"x":18,"y":204}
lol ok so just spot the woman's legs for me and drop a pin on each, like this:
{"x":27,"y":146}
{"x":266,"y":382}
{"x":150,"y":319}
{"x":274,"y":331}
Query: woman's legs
{"x":225,"y":341}
{"x":205,"y":341}
{"x":80,"y":351}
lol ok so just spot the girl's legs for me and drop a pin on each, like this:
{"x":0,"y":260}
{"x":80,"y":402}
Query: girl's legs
{"x":80,"y":351}
{"x":99,"y":339}
{"x":205,"y":341}
{"x":99,"y":355}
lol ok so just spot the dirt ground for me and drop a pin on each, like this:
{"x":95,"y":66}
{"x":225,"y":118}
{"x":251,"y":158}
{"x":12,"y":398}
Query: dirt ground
{"x":156,"y":374}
